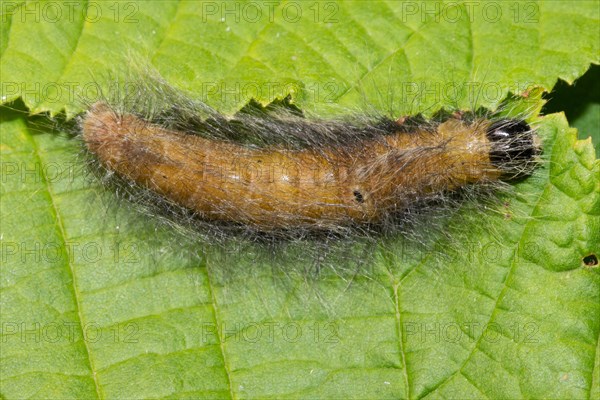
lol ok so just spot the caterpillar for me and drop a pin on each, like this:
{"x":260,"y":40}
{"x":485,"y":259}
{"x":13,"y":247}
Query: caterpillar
{"x":324,"y":175}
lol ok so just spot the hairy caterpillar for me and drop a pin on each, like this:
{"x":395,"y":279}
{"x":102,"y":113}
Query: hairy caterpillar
{"x":325,"y":176}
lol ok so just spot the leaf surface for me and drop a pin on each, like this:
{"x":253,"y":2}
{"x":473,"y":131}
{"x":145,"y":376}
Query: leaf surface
{"x":99,"y":302}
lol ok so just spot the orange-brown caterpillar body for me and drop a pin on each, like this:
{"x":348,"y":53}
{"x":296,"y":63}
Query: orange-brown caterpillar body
{"x":319,"y":187}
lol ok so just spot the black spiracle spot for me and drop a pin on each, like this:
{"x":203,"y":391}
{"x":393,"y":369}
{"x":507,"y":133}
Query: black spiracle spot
{"x":358,"y":196}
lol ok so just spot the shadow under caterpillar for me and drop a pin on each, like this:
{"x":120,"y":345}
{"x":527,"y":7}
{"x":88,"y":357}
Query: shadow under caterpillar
{"x":344,"y":174}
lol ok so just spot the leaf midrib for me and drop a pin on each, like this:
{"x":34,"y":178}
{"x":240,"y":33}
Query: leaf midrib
{"x":61,"y":233}
{"x":218,"y":323}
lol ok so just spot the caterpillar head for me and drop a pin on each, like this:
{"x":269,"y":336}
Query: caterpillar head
{"x":514,"y":148}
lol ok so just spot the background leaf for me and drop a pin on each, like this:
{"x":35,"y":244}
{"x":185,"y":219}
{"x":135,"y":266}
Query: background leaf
{"x":443,"y":54}
{"x":581,"y":104}
{"x":99,"y":302}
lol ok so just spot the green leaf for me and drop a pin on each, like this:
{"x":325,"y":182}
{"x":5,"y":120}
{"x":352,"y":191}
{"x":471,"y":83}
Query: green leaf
{"x":398,"y":56}
{"x":99,"y":302}
{"x":581,"y":104}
